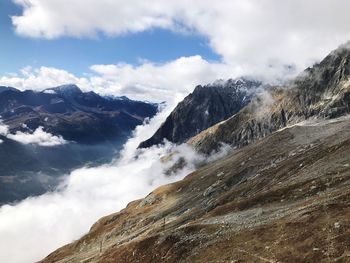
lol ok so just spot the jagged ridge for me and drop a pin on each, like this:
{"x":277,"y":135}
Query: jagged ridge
{"x":321,"y":91}
{"x":204,"y":107}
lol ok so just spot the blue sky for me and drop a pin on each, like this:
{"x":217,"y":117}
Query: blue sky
{"x":77,"y":55}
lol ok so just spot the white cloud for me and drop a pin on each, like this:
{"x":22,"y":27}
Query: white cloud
{"x":159,"y":82}
{"x":39,"y":78}
{"x":37,"y":226}
{"x":257,"y":36}
{"x":3,"y":129}
{"x":147,"y":81}
{"x":38,"y":137}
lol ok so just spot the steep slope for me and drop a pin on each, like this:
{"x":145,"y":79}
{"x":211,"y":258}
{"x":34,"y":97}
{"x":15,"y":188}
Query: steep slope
{"x":322,"y":91}
{"x":285,"y":198}
{"x":204,"y":107}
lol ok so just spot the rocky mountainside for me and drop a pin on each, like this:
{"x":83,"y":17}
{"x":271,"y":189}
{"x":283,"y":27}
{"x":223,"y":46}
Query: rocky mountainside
{"x":94,"y":127}
{"x":204,"y":107}
{"x":322,"y":91}
{"x":285,"y":198}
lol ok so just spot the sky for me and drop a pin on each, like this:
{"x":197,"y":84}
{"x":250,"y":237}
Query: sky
{"x":162,"y":49}
{"x":77,"y":54}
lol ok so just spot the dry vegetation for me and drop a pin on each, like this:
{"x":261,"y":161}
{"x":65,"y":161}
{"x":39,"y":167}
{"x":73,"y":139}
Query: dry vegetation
{"x":285,"y":198}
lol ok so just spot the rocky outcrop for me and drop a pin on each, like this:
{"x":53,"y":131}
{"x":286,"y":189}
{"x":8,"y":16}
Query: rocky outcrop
{"x":204,"y":107}
{"x":322,"y":91}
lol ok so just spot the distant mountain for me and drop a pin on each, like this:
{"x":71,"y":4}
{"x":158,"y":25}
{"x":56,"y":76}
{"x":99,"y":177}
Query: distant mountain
{"x":204,"y":107}
{"x":94,"y":127}
{"x":4,"y":88}
{"x":73,"y":114}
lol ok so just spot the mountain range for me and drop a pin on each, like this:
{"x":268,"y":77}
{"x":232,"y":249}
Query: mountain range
{"x":281,"y":195}
{"x":90,"y":127}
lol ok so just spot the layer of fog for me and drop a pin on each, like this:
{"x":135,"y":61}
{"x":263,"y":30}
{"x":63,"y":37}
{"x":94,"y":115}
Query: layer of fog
{"x":36,"y":226}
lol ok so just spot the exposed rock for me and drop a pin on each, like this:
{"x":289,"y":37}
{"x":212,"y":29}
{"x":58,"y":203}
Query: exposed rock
{"x":322,"y":91}
{"x":203,"y":108}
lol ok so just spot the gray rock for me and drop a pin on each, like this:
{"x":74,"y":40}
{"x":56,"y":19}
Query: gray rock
{"x":206,"y":106}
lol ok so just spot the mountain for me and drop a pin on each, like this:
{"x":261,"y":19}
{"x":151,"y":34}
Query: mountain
{"x":322,"y":91}
{"x":77,"y":116}
{"x":94,"y":127}
{"x":281,"y":196}
{"x":204,"y":107}
{"x":4,"y":88}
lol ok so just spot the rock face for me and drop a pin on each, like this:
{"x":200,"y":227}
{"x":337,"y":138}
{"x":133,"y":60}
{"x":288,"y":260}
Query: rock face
{"x":204,"y":107}
{"x":96,"y":128}
{"x":322,"y":91}
{"x":284,"y":198}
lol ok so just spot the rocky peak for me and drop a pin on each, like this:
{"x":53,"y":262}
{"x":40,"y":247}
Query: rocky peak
{"x":325,"y":79}
{"x":321,"y":91}
{"x":69,"y":90}
{"x":204,"y":107}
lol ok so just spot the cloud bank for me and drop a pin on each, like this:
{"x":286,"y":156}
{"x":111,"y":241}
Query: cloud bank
{"x":37,"y":226}
{"x":37,"y":137}
{"x":251,"y":35}
{"x":147,"y":81}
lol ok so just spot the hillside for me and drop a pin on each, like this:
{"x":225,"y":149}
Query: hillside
{"x":282,"y":199}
